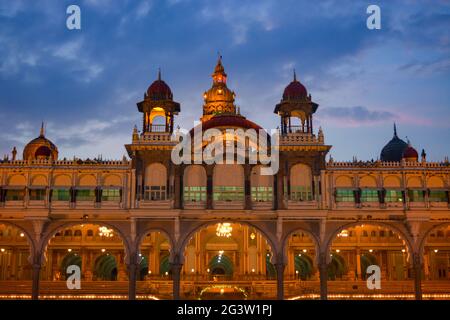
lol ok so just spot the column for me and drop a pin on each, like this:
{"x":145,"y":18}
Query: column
{"x":358,"y":264}
{"x":323,"y":271}
{"x":247,"y":188}
{"x":280,"y":280}
{"x":132,"y":269}
{"x":35,"y":286}
{"x":417,"y":268}
{"x":176,"y":270}
{"x":209,"y":188}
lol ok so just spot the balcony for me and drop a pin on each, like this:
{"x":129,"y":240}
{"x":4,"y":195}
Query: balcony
{"x":299,"y":205}
{"x":262,"y":205}
{"x":228,"y":205}
{"x":191,"y":205}
{"x":155,"y":204}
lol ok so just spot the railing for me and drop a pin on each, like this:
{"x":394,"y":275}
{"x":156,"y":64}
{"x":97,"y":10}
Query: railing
{"x":387,"y":164}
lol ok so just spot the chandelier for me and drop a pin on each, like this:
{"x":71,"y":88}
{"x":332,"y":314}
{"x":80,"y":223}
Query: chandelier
{"x":224,"y":230}
{"x":105,"y":232}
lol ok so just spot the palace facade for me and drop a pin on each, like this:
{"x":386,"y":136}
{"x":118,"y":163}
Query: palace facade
{"x":145,"y":227}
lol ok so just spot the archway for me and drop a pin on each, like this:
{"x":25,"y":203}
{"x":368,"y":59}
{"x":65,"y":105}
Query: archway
{"x":154,"y":276}
{"x":15,"y":268}
{"x":301,"y":272}
{"x":355,"y":247}
{"x":98,"y":249}
{"x":227,"y":255}
{"x":436,"y":262}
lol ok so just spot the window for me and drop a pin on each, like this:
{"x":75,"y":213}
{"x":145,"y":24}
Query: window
{"x":37,"y":194}
{"x":382,"y":234}
{"x":15,"y":195}
{"x":437,"y":196}
{"x":415,"y":195}
{"x":262,"y":194}
{"x":194,"y":194}
{"x":111,"y":195}
{"x":60,"y":195}
{"x":90,"y":233}
{"x":373,"y":233}
{"x":301,"y":193}
{"x":77,"y":233}
{"x":345,"y":195}
{"x":86,"y":195}
{"x":393,"y":196}
{"x":369,"y":195}
{"x":155,"y":193}
{"x":68,"y":233}
{"x":222,"y":193}
{"x":365,"y":234}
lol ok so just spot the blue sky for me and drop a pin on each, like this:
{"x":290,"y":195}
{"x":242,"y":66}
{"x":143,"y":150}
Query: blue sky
{"x":85,"y":84}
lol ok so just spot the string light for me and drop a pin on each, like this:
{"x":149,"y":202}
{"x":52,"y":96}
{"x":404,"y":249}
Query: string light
{"x":224,"y":230}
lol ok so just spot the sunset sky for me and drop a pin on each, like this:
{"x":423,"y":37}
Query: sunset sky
{"x":85,"y":83}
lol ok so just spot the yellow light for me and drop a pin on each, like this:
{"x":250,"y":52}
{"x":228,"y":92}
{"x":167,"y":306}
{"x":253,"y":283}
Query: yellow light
{"x":370,"y":250}
{"x":252,"y":236}
{"x":222,"y":291}
{"x":205,"y":96}
{"x":337,"y":250}
{"x":304,"y":250}
{"x":166,"y":273}
{"x":253,"y":270}
{"x":436,"y":250}
{"x":2,"y":249}
{"x":207,"y":270}
{"x":103,"y":250}
{"x":22,"y":235}
{"x":69,"y":250}
{"x":192,"y":270}
{"x":149,"y":271}
{"x":403,"y":250}
{"x":219,"y":91}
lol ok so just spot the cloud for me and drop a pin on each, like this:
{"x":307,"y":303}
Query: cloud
{"x":427,"y":67}
{"x":355,"y":115}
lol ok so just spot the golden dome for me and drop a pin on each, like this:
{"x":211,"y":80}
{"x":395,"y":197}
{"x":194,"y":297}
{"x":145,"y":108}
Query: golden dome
{"x":40,"y":148}
{"x":218,"y":99}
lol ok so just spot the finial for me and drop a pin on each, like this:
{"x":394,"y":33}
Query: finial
{"x":295,"y":75}
{"x":219,"y":56}
{"x":395,"y":130}
{"x":42,"y":133}
{"x":159,"y":74}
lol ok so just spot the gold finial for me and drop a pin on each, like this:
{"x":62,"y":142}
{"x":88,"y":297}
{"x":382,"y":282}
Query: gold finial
{"x":159,"y":73}
{"x":295,"y":75}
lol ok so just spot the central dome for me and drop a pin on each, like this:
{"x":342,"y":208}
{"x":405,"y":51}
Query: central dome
{"x":40,"y":148}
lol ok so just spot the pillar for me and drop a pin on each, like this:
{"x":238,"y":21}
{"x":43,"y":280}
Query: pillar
{"x":247,"y":188}
{"x":417,"y":267}
{"x":280,"y":280}
{"x":358,"y":264}
{"x":35,"y":286}
{"x":176,"y":271}
{"x":209,"y":188}
{"x":132,"y":269}
{"x":323,"y":271}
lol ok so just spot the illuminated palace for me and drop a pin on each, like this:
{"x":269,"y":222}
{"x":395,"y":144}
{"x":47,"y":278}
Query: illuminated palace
{"x":144,"y":227}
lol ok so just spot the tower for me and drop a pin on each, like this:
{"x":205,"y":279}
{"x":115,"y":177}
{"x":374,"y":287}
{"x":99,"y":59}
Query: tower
{"x":296,"y":104}
{"x":158,"y":107}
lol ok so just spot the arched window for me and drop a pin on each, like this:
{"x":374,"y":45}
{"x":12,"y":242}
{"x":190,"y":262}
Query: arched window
{"x":77,"y":233}
{"x":194,"y":184}
{"x":301,"y":183}
{"x":68,"y":233}
{"x":373,"y":233}
{"x":90,"y":233}
{"x":261,"y":186}
{"x":228,"y":182}
{"x":155,"y":182}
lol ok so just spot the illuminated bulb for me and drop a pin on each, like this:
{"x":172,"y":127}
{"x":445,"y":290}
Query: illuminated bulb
{"x":337,"y":250}
{"x":222,"y":291}
{"x":2,"y":249}
{"x":192,"y":270}
{"x":296,"y":271}
{"x":149,"y":271}
{"x":403,"y":250}
{"x":304,"y":250}
{"x":299,"y":254}
{"x":253,"y":270}
{"x":370,"y":250}
{"x":140,"y":254}
{"x":166,"y":273}
{"x":103,"y":250}
{"x":436,"y":250}
{"x":70,"y":250}
{"x":207,"y":270}
{"x":252,"y":236}
{"x":22,"y":235}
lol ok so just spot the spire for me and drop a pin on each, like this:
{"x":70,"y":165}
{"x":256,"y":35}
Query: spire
{"x":219,"y":75}
{"x":159,"y":74}
{"x":295,"y":75}
{"x":42,"y":133}
{"x":395,"y":130}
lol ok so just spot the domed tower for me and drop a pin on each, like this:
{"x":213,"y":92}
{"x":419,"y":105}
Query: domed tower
{"x":296,"y":104}
{"x":218,"y":99}
{"x":158,"y":107}
{"x":393,"y":150}
{"x":40,"y":148}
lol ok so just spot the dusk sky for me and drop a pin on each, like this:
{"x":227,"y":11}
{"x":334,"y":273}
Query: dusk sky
{"x":85,"y":83}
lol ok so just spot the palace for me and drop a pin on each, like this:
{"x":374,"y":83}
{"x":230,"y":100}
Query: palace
{"x":146,"y":228}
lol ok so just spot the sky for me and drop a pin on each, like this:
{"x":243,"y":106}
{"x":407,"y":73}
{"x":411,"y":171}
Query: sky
{"x":85,"y":83}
